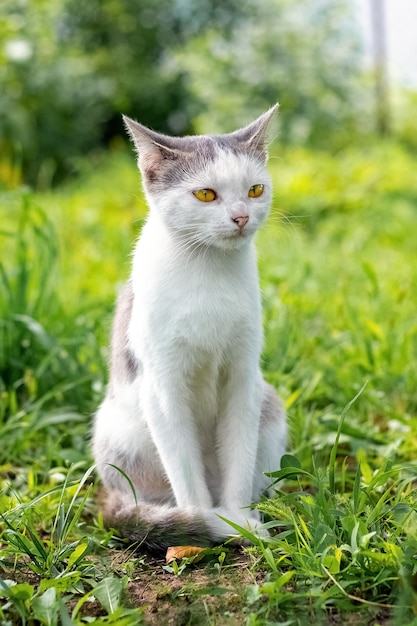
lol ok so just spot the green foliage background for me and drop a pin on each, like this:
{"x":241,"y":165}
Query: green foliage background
{"x":338,"y":265}
{"x":69,"y":68}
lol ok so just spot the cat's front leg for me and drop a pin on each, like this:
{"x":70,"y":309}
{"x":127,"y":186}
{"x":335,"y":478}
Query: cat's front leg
{"x":173,"y":430}
{"x":238,"y":434}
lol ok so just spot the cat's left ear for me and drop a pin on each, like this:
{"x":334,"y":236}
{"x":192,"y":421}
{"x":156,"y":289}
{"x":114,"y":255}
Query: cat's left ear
{"x":254,"y":137}
{"x":148,"y":142}
{"x":154,"y":150}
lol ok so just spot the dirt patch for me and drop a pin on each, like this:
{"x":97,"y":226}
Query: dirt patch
{"x":212,"y":593}
{"x":204,"y":593}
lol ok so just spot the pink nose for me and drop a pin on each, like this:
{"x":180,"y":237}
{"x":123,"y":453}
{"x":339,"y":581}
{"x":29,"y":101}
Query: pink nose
{"x":241,"y":220}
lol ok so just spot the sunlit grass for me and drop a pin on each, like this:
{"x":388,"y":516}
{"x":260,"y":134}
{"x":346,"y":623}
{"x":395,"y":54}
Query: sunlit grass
{"x":338,"y":272}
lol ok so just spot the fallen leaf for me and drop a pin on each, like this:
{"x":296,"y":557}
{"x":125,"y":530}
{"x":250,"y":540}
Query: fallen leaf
{"x":182,"y":552}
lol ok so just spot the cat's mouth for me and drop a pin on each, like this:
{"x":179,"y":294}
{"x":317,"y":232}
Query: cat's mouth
{"x":235,"y":238}
{"x":236,"y":234}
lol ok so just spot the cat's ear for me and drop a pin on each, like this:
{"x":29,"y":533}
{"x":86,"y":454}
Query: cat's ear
{"x":152,"y":148}
{"x":254,"y":137}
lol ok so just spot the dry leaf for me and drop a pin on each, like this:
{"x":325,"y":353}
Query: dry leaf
{"x":182,"y":552}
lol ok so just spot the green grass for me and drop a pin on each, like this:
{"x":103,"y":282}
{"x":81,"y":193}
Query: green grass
{"x":338,"y":266}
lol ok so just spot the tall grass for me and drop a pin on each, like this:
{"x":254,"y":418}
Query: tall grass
{"x":338,"y":271}
{"x":50,"y":362}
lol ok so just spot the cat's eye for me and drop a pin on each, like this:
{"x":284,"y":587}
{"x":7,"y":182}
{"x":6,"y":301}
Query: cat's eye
{"x":255,"y":191}
{"x":205,"y":195}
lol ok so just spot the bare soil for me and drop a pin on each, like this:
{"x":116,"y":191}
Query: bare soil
{"x":201,"y":594}
{"x":204,"y":594}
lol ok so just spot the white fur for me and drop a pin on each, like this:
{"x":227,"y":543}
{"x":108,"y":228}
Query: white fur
{"x":192,"y":413}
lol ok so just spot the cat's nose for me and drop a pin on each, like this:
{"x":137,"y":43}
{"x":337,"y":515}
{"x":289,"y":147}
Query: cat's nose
{"x":241,"y":220}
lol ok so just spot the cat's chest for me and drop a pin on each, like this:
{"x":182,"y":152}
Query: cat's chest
{"x":204,"y":305}
{"x":210,"y":310}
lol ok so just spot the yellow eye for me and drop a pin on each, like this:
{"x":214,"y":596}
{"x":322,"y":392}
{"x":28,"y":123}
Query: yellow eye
{"x":205,"y":195}
{"x":255,"y":191}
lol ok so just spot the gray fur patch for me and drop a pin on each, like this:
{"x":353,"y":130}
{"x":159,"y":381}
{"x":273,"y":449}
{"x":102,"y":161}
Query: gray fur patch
{"x":169,"y":169}
{"x":155,"y":528}
{"x":149,"y":480}
{"x":166,"y":161}
{"x":123,"y":365}
{"x":271,"y":410}
{"x":192,"y":155}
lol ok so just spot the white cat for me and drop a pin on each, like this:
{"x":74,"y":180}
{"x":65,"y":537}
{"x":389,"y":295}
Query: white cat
{"x":187,"y":416}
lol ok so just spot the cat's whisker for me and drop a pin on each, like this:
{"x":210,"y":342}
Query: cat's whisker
{"x":140,"y":200}
{"x":276,"y":213}
{"x":281,"y":222}
{"x":188,"y":246}
{"x":185,"y":250}
{"x":280,"y":232}
{"x":139,"y":222}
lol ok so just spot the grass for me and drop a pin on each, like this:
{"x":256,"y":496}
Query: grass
{"x":338,"y":271}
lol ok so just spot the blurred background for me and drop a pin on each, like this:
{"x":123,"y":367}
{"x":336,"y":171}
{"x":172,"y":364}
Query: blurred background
{"x":344,"y":71}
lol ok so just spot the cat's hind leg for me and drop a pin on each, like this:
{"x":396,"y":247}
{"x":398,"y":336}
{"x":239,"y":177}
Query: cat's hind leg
{"x":272,"y":440}
{"x":126,"y":457}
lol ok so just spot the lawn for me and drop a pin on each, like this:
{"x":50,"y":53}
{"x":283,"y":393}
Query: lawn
{"x":338,"y":268}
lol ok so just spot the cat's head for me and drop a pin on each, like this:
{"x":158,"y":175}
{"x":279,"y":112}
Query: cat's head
{"x":212,"y":190}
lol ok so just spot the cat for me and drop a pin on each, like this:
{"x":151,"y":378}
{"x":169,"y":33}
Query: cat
{"x":188,"y":425}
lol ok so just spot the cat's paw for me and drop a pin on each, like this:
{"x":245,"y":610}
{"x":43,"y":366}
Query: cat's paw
{"x":254,"y":526}
{"x":249,"y":521}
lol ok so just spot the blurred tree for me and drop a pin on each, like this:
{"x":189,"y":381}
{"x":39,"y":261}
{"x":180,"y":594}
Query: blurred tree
{"x":68,"y":68}
{"x":48,"y":96}
{"x":381,"y":67}
{"x":305,"y":54}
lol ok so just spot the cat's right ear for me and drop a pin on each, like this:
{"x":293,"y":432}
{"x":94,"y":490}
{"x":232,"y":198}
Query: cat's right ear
{"x":254,"y":137}
{"x":152,"y":148}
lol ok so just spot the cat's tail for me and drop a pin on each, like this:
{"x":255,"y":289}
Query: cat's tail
{"x":156,"y":527}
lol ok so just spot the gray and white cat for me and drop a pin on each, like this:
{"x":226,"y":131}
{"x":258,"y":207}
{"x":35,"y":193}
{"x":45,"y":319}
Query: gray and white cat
{"x":187,"y":415}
